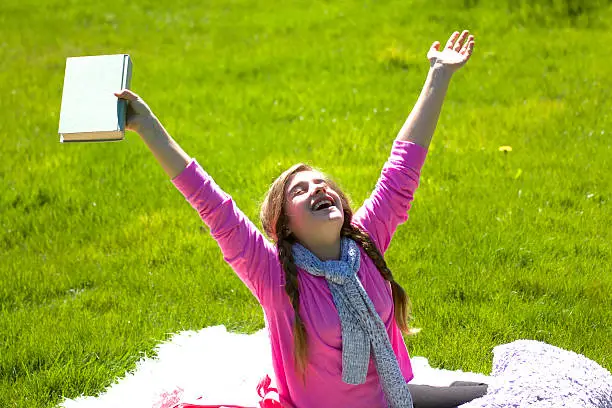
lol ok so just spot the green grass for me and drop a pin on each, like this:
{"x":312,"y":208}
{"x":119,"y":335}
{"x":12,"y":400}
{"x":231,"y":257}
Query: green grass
{"x":101,"y":258}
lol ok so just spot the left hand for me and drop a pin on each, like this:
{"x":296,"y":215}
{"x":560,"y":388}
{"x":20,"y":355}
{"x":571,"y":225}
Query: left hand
{"x":455,"y":54}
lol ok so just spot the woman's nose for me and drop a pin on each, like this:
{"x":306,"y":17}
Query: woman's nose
{"x":319,"y":188}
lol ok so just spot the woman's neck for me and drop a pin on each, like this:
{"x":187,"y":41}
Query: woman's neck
{"x":327,"y":251}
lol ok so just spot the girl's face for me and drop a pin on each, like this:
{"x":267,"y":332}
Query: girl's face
{"x":314,"y":209}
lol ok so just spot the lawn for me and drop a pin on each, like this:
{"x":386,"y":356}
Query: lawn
{"x":101,"y":258}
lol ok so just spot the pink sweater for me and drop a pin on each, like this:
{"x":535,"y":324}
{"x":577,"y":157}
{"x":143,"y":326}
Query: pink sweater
{"x":256,"y":262}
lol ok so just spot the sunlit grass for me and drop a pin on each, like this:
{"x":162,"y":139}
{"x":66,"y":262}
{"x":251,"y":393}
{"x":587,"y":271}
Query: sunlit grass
{"x":101,"y":258}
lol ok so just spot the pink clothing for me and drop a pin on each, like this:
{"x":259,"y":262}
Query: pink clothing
{"x":256,"y":262}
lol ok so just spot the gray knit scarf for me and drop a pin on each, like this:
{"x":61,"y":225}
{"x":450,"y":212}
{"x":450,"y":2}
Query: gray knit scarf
{"x":362,"y":328}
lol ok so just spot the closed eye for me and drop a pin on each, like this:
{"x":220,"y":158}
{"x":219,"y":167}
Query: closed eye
{"x":297,"y":189}
{"x":301,"y":187}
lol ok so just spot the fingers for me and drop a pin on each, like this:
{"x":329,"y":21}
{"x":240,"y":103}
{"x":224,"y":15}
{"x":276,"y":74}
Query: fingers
{"x":126,"y":94}
{"x":468,"y":47}
{"x":457,"y":46}
{"x":436,"y":45}
{"x":451,"y":40}
{"x":462,"y":43}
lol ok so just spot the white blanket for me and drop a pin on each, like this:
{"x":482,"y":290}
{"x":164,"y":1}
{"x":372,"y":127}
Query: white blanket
{"x":225,"y":368}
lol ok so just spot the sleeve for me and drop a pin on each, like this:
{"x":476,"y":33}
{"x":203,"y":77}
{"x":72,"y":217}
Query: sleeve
{"x":244,"y":248}
{"x":388,"y":205}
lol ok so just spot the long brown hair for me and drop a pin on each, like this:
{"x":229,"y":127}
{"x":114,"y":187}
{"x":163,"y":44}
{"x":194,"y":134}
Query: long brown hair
{"x":276,"y":225}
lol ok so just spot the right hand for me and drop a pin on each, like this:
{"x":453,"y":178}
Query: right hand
{"x":138,"y":112}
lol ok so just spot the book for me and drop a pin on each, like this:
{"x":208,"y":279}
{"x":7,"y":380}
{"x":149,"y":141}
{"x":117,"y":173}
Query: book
{"x":90,"y":112}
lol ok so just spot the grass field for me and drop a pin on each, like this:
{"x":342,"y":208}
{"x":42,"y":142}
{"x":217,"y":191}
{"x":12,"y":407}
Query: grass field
{"x":101,"y":258}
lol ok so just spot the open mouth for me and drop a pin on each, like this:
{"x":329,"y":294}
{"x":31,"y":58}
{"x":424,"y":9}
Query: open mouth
{"x":322,"y":204}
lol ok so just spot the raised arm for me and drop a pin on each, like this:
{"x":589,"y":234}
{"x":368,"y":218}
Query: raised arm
{"x":421,"y":123}
{"x":389,"y":203}
{"x":140,"y":119}
{"x":243,"y":246}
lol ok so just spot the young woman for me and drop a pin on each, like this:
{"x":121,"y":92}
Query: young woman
{"x":335,"y":314}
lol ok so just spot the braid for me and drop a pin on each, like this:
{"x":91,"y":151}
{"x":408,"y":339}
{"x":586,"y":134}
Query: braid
{"x":401,"y":302}
{"x":285,"y":256}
